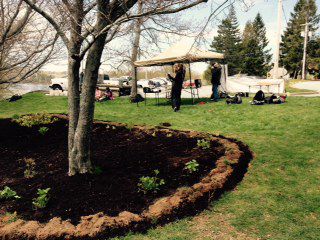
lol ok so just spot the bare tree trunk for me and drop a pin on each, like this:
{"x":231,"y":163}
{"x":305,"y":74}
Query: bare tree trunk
{"x":74,"y":64}
{"x":80,"y":155}
{"x":135,"y":51}
{"x":73,"y":107}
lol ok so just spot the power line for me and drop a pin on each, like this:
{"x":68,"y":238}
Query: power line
{"x":284,"y":14}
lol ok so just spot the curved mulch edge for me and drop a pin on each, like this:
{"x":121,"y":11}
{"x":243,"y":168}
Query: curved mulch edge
{"x":229,"y":171}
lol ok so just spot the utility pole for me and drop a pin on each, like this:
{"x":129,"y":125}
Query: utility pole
{"x":277,"y":52}
{"x":306,"y":35}
{"x":304,"y":60}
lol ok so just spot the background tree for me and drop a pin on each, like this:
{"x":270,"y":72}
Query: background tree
{"x":256,"y":56}
{"x":228,"y":41}
{"x":292,"y":41}
{"x":146,"y":36}
{"x":314,"y":57}
{"x":25,"y":45}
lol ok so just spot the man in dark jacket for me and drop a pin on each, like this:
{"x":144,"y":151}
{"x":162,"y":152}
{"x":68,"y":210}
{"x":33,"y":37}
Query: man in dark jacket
{"x":215,"y":80}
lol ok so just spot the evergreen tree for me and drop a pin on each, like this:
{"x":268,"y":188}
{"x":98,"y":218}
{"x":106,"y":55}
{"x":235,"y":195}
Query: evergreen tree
{"x":228,"y":41}
{"x":250,"y":50}
{"x":313,"y":62}
{"x":292,"y":41}
{"x":256,"y":56}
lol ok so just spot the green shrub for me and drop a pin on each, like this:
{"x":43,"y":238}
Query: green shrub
{"x":30,"y":168}
{"x":15,"y":116}
{"x":150,"y":184}
{"x":34,"y":120}
{"x":204,"y":144}
{"x":192,"y":166}
{"x":43,"y":130}
{"x":43,"y":198}
{"x":8,"y":193}
{"x":97,"y":170}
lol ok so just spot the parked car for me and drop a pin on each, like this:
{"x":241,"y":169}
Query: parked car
{"x":62,"y":83}
{"x":120,"y":86}
{"x":59,"y":84}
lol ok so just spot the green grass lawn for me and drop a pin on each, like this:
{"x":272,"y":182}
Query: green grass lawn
{"x":279,"y":197}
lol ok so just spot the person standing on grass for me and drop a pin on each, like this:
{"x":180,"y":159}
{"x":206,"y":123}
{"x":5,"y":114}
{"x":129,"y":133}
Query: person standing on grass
{"x":177,"y":82}
{"x":215,"y":80}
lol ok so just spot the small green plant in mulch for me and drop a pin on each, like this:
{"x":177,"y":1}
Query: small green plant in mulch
{"x":15,"y":116}
{"x":43,"y":130}
{"x":10,"y":217}
{"x":8,"y":193}
{"x":30,"y":171}
{"x":150,"y":184}
{"x":204,"y":144}
{"x":35,"y":120}
{"x":97,"y":170}
{"x":43,"y":198}
{"x":169,"y":135}
{"x":227,"y":162}
{"x":154,"y":134}
{"x":192,"y":166}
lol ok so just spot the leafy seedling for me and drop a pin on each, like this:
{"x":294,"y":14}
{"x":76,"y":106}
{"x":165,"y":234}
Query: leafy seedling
{"x":10,"y":217}
{"x":8,"y":193}
{"x":43,"y":198}
{"x":97,"y":170}
{"x":15,"y":116}
{"x":192,"y":166}
{"x":204,"y":144}
{"x":43,"y":130}
{"x":30,"y":168}
{"x":226,"y":162}
{"x":150,"y":184}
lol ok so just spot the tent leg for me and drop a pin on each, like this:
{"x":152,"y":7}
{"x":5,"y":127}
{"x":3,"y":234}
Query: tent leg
{"x":190,"y":79}
{"x":135,"y":83}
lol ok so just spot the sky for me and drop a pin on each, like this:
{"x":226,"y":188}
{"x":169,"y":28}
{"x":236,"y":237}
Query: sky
{"x":267,"y":8}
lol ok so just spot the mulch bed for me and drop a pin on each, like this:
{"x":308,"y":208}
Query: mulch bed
{"x":111,"y":200}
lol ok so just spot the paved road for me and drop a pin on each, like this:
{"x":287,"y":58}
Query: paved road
{"x":310,"y":85}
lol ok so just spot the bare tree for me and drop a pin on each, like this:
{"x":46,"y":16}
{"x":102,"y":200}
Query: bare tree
{"x":87,"y":35}
{"x":135,"y":50}
{"x":151,"y":31}
{"x":25,"y":44}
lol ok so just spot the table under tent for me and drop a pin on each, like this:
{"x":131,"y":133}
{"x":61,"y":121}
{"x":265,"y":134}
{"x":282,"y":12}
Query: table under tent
{"x":180,"y":53}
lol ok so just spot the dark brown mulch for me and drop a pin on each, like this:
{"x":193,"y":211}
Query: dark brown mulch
{"x":123,"y":154}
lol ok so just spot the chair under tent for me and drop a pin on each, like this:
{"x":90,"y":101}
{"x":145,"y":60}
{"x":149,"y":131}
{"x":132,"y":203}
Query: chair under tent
{"x":180,"y":53}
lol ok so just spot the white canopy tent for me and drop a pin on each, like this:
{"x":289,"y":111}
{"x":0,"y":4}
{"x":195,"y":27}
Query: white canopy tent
{"x":180,"y":53}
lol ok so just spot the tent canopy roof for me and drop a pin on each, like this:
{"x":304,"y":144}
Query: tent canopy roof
{"x":180,"y":53}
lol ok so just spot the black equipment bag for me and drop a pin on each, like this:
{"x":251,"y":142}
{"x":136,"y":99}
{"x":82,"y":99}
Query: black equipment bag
{"x":270,"y":99}
{"x":234,"y":100}
{"x":260,"y":96}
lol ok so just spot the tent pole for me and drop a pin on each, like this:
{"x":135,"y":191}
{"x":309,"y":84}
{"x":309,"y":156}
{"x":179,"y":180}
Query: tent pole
{"x":136,"y":83}
{"x":190,"y":79}
{"x":136,"y":74}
